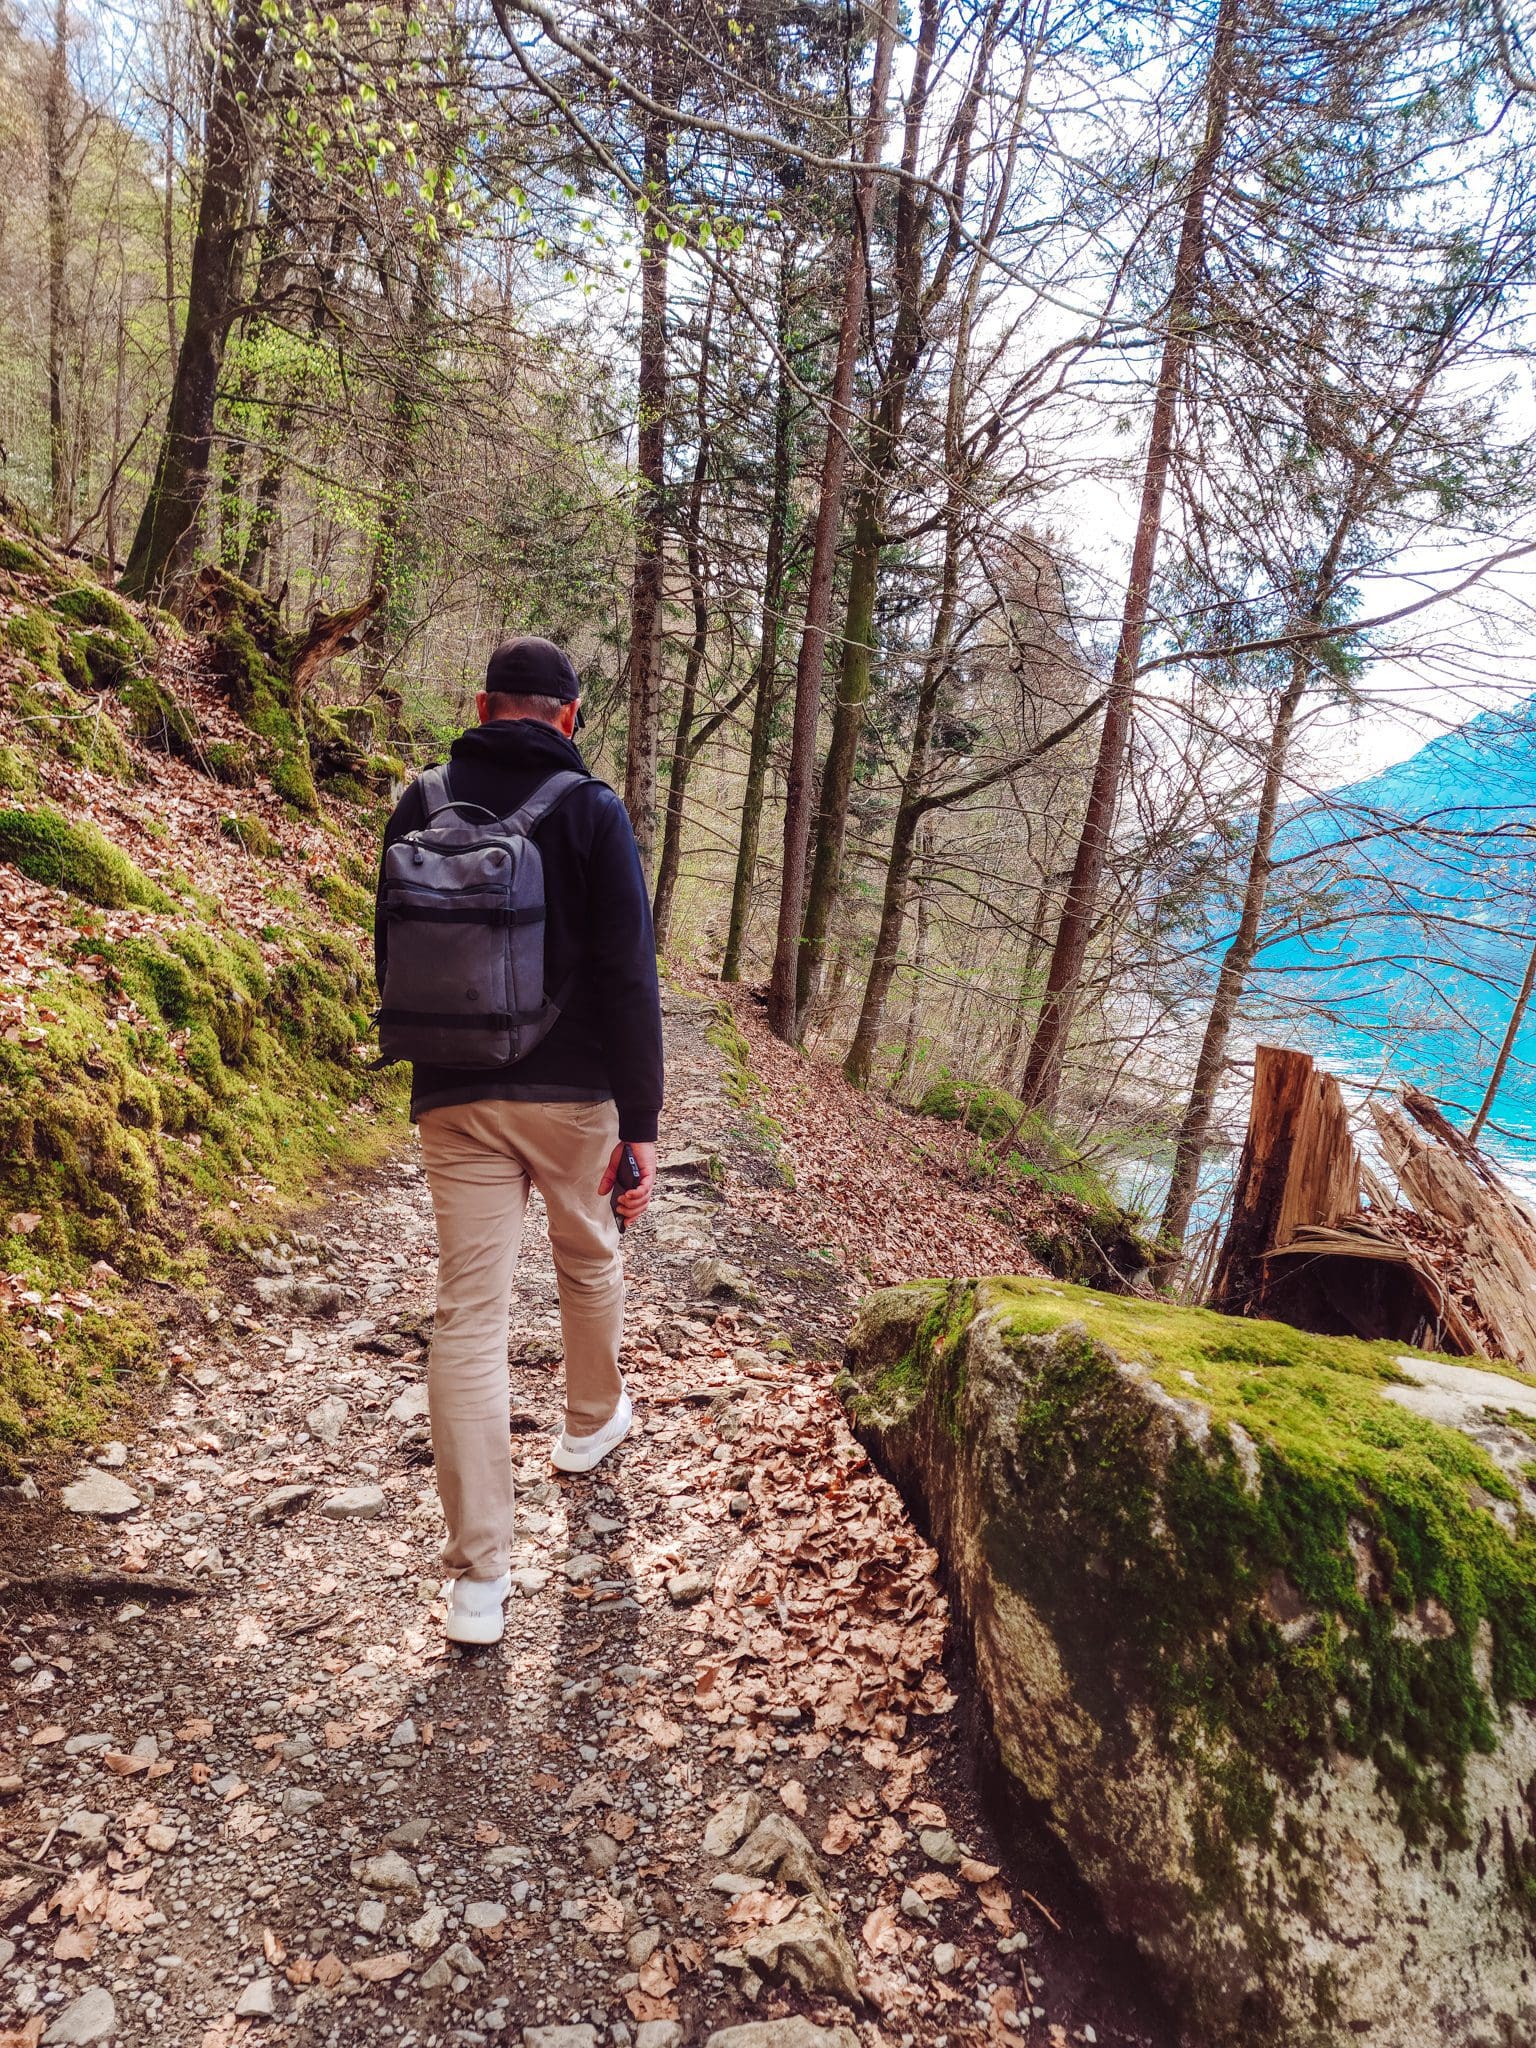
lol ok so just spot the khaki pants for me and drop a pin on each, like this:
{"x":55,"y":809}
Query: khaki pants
{"x":481,"y":1159}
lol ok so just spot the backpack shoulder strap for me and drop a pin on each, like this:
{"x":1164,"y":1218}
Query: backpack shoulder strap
{"x":435,"y":794}
{"x":537,"y":808}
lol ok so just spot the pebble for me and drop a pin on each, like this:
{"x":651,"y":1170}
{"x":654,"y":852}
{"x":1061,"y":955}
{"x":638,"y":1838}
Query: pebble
{"x":354,"y":1502}
{"x":582,"y":1567}
{"x":84,"y":1826}
{"x":7,"y":1950}
{"x":529,"y":1580}
{"x":559,"y":2037}
{"x":641,"y":1946}
{"x":92,"y":2017}
{"x":112,"y":1457}
{"x":427,"y":1931}
{"x":686,"y":1589}
{"x":659,"y":2034}
{"x":916,"y":1907}
{"x":99,"y":1494}
{"x":600,"y":1853}
{"x":404,"y":1736}
{"x":458,"y":1961}
{"x":411,"y":1406}
{"x":945,"y":1958}
{"x":409,"y":1834}
{"x":328,"y":1419}
{"x":790,"y":2033}
{"x":939,"y":1846}
{"x":371,"y":1915}
{"x":281,"y":1502}
{"x":80,"y":1745}
{"x":258,"y":2001}
{"x":484,"y":1915}
{"x":299,"y":1800}
{"x":1013,"y":1944}
{"x":387,"y":1873}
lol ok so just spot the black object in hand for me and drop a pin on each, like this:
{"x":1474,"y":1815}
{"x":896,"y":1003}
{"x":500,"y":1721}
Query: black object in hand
{"x":627,"y":1176}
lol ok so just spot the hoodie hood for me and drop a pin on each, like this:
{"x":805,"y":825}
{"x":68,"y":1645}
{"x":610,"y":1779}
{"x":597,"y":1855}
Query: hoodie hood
{"x":512,"y":743}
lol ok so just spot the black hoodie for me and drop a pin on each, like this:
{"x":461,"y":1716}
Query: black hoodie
{"x":598,"y":923}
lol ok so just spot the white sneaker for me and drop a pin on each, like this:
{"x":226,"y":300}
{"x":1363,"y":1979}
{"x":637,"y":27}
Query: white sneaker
{"x":581,"y":1453}
{"x":475,"y":1609}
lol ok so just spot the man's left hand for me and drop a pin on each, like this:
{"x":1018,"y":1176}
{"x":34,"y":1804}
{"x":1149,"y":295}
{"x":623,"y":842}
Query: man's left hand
{"x":634,"y":1201}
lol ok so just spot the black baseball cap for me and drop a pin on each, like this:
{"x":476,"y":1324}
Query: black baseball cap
{"x":530,"y":667}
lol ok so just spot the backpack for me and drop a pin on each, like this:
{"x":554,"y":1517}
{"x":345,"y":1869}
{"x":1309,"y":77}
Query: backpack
{"x":463,"y":909}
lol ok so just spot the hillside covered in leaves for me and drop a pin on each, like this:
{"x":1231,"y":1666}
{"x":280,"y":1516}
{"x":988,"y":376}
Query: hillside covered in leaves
{"x":184,"y":968}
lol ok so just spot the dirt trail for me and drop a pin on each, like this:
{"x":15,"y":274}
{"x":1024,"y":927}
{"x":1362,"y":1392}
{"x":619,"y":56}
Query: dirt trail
{"x":279,"y":1806}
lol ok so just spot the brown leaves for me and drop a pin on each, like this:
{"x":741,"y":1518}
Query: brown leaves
{"x":664,"y":1733}
{"x":843,"y":1833}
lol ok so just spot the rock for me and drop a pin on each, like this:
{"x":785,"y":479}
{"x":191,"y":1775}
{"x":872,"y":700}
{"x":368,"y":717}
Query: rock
{"x":485,"y":1915}
{"x":600,"y":1853}
{"x":409,"y":1834}
{"x":641,"y":1946}
{"x":945,"y":1957}
{"x":916,"y":1907}
{"x":281,"y":1502}
{"x":7,"y":1951}
{"x":734,"y":1885}
{"x":92,"y":2017}
{"x":659,"y":2034}
{"x":788,"y":2033}
{"x":259,"y":2000}
{"x":427,"y":1931}
{"x":387,"y":1873}
{"x":718,"y":1280}
{"x":939,"y":1846}
{"x":99,"y":1494}
{"x":686,"y":1589}
{"x":776,"y":1848}
{"x":582,"y":1567}
{"x":808,"y":1949}
{"x":85,"y":1827}
{"x":462,"y":1960}
{"x":559,"y":2037}
{"x":530,"y":1580}
{"x":729,"y":1823}
{"x":358,"y":1503}
{"x":1177,"y":1545}
{"x":112,"y":1457}
{"x":328,"y":1419}
{"x":371,"y":1915}
{"x":411,"y":1406}
{"x":403,"y":1735}
{"x":299,"y":1800}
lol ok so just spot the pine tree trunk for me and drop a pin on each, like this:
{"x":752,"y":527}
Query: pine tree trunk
{"x":1195,"y":1127}
{"x":1042,"y":1069}
{"x":919,"y":969}
{"x":764,"y":691}
{"x":162,"y":546}
{"x":645,"y":603}
{"x":398,"y":546}
{"x":783,"y":1015}
{"x":55,"y":147}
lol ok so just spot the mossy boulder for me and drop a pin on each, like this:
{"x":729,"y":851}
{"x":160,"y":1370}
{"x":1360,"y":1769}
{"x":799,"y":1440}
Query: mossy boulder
{"x":1254,"y":1613}
{"x":160,"y":719}
{"x":51,"y":849}
{"x":87,"y":604}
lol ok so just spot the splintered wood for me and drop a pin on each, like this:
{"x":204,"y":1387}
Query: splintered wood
{"x":1317,"y":1240}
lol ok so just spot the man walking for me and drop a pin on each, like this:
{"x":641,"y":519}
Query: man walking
{"x":560,"y":1118}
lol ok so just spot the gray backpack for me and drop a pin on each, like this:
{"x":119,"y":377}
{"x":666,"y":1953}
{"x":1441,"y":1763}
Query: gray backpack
{"x":463,"y":908}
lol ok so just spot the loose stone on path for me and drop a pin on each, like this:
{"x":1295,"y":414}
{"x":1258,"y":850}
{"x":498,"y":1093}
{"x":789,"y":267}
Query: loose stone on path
{"x":99,"y":1494}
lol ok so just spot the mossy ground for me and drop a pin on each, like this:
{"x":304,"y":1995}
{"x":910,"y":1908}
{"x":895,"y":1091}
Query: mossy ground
{"x":761,"y":1130}
{"x":1366,"y":1513}
{"x":174,"y":1074}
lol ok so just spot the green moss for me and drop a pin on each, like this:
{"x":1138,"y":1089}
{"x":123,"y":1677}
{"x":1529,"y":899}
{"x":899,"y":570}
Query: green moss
{"x":252,"y":835}
{"x":160,"y":719}
{"x":19,"y":558}
{"x":346,"y":900}
{"x":18,"y":777}
{"x":1365,"y":1511}
{"x":62,"y":855}
{"x":35,"y":635}
{"x":231,"y":763}
{"x":87,"y":604}
{"x":764,"y":1132}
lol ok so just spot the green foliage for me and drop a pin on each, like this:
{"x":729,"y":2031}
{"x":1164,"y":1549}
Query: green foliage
{"x":50,"y":849}
{"x":160,"y":719}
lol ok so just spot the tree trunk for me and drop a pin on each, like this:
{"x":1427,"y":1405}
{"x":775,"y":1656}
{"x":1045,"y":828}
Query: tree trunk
{"x":764,"y":691}
{"x":398,"y":546}
{"x":919,"y":969}
{"x":1042,"y":1069}
{"x":1516,"y":1019}
{"x":55,"y":149}
{"x":163,"y":544}
{"x":644,"y":679}
{"x":262,"y":530}
{"x":1195,"y":1128}
{"x":910,"y":813}
{"x":782,"y":1009}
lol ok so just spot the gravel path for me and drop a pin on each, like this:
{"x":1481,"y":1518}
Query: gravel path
{"x":714,"y":1778}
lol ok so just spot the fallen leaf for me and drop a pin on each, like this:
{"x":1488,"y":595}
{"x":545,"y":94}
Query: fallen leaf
{"x":792,"y":1792}
{"x":977,"y":1873}
{"x":843,"y":1831}
{"x":76,"y":1944}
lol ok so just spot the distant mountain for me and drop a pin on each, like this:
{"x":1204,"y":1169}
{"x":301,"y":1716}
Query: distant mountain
{"x":1415,"y":913}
